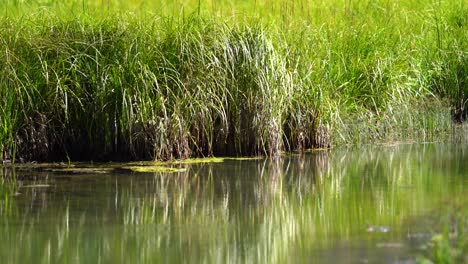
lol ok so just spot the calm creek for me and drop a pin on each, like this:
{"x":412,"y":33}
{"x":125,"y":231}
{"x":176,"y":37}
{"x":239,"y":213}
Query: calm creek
{"x":371,"y":204}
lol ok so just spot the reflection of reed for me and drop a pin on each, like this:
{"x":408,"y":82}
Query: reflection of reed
{"x":460,"y":133}
{"x":8,"y":188}
{"x":244,"y":211}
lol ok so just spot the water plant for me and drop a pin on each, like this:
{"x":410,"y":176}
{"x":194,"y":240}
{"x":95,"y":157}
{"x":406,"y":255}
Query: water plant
{"x":449,"y":243}
{"x":84,"y":80}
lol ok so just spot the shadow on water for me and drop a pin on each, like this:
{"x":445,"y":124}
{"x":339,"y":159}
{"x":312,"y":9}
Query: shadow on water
{"x":353,"y":206}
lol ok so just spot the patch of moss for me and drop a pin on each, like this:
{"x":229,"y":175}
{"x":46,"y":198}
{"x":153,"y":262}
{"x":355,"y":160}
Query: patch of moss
{"x":199,"y":160}
{"x":185,"y":161}
{"x":154,"y":169}
{"x":81,"y":170}
{"x":37,"y":186}
{"x":42,"y":166}
{"x":244,"y":158}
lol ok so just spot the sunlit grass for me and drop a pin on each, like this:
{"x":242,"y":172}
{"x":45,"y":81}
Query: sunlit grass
{"x":120,"y":80}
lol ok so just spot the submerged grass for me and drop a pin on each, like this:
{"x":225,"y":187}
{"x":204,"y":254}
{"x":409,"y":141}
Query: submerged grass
{"x":83,"y":80}
{"x":449,"y":243}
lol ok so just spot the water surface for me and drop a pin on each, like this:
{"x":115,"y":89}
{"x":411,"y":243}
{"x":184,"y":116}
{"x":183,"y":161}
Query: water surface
{"x":363,"y":205}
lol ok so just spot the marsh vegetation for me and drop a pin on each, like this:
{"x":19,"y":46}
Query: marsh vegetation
{"x":132,"y":80}
{"x":164,"y":83}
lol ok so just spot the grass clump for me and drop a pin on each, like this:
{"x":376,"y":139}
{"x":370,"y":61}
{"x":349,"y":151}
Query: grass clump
{"x":99,"y":84}
{"x":451,"y":244}
{"x":129,"y":90}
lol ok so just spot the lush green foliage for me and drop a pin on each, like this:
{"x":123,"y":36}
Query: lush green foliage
{"x":85,"y":80}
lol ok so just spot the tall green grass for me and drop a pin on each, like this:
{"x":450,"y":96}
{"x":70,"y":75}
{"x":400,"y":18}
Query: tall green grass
{"x":86,"y":80}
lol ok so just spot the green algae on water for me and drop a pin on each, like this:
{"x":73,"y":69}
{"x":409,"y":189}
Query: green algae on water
{"x":198,"y":161}
{"x":162,"y":169}
{"x":244,"y":158}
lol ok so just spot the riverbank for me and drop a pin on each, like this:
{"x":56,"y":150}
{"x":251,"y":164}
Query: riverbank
{"x":92,"y":85}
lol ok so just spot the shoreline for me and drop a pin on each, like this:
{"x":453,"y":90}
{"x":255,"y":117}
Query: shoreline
{"x":121,"y":87}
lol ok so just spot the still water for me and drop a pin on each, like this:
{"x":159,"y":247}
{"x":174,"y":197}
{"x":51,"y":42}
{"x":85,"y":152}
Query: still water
{"x":363,"y":205}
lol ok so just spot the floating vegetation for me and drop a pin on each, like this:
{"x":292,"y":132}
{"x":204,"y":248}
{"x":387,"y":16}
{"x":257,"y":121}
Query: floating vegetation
{"x":36,"y":186}
{"x":137,"y":166}
{"x":193,"y":161}
{"x":80,"y":170}
{"x":148,"y":169}
{"x":243,"y":158}
{"x":170,"y":162}
{"x":198,"y":161}
{"x":40,"y":165}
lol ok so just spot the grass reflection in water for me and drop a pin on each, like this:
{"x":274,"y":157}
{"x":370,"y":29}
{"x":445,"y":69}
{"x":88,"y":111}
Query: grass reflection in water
{"x":319,"y":207}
